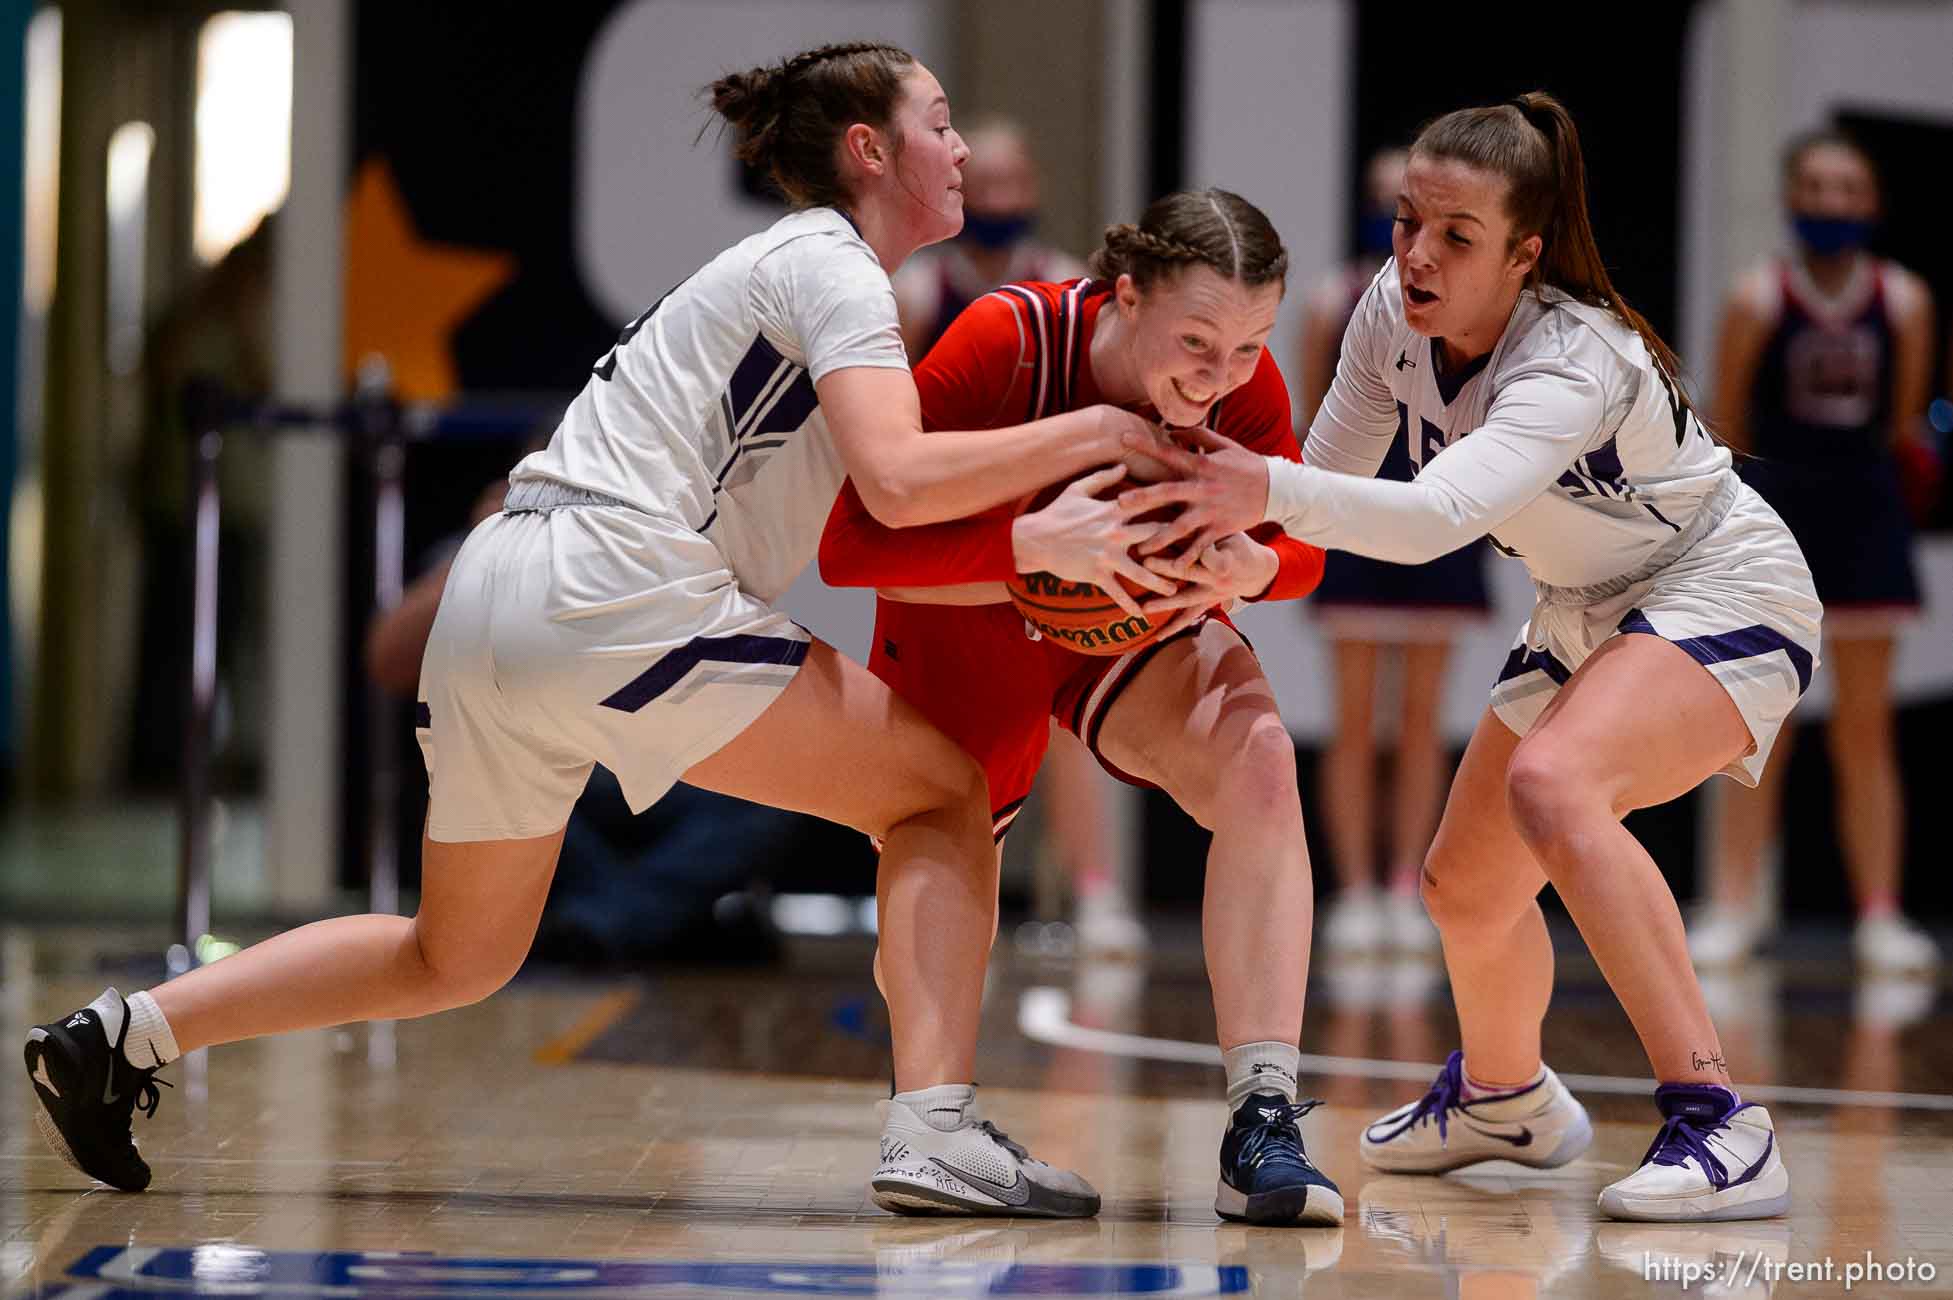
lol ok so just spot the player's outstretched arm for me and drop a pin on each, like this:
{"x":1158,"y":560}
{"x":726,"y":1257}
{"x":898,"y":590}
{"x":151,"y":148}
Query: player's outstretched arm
{"x":907,"y":477}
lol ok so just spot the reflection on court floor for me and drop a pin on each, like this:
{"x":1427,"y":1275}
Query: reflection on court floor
{"x":710,"y":1134}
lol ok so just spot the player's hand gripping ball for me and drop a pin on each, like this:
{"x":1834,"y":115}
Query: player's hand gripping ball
{"x":1079,"y":615}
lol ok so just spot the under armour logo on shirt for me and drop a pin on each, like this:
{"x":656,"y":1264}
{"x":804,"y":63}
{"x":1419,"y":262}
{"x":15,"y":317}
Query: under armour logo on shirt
{"x":1404,"y":362}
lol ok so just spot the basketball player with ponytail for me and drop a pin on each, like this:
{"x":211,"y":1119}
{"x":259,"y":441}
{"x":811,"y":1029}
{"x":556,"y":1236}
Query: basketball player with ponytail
{"x":1175,"y":324}
{"x":1675,"y":627}
{"x":618,"y":610}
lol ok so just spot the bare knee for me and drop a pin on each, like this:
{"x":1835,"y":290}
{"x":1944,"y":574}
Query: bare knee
{"x":450,"y":979}
{"x":1551,"y":798}
{"x":1463,"y":904}
{"x":1253,"y":784}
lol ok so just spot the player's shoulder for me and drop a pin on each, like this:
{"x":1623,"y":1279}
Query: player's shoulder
{"x":1907,"y":295}
{"x":1554,"y":333}
{"x":813,"y":235}
{"x":1756,"y":292}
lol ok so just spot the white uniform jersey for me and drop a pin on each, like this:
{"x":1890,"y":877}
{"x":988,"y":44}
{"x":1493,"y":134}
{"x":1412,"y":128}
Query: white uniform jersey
{"x":704,"y":413}
{"x":1566,"y":445}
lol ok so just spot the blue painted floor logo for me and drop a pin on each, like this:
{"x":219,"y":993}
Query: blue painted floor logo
{"x":108,"y":1272}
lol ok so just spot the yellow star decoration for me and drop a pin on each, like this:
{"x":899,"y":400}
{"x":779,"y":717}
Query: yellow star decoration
{"x":404,"y":295}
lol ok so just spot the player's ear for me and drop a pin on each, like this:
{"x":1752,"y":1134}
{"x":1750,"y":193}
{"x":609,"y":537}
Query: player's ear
{"x":1525,"y":255}
{"x":865,"y":148}
{"x":1126,"y":291}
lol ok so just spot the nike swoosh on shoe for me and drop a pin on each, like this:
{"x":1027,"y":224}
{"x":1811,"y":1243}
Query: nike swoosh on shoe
{"x":1017,"y":1193}
{"x":1524,"y":1138}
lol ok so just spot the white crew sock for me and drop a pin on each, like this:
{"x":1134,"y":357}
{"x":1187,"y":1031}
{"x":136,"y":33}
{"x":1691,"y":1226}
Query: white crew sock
{"x":1261,"y":1067}
{"x":942,"y":1107}
{"x":150,"y":1042}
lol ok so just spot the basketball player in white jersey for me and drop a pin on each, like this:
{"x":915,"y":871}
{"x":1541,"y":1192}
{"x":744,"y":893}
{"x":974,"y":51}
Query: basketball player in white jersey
{"x":1675,"y":627}
{"x":618,"y":611}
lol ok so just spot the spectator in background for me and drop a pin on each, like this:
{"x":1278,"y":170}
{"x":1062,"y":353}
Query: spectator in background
{"x":1079,"y":805}
{"x":1823,"y":371}
{"x":1374,"y":612}
{"x":673,"y":884}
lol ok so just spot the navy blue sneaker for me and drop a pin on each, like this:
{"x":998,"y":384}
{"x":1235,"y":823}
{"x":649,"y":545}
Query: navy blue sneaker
{"x":88,"y":1092}
{"x":1266,"y":1176}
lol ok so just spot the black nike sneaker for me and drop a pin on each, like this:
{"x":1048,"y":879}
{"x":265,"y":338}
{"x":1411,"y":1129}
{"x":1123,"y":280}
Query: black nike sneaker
{"x":1266,"y":1176}
{"x":88,"y":1092}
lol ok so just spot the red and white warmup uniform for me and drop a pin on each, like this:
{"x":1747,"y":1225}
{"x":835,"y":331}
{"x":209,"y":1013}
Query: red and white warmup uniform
{"x":978,"y":672}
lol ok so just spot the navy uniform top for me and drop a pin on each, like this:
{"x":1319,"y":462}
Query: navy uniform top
{"x":1823,"y":389}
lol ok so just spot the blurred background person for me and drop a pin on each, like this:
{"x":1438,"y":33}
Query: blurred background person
{"x":1823,"y":372}
{"x":1378,"y":616}
{"x":1079,"y":810}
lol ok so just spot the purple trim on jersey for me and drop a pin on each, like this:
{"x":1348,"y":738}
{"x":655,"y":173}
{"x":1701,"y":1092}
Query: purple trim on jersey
{"x":668,"y":671}
{"x":1449,"y":386}
{"x":1604,"y":464}
{"x":1525,"y":659}
{"x":1727,"y":647}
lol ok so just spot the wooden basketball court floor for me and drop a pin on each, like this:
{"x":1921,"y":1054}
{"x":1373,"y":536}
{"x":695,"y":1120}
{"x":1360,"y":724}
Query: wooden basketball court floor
{"x":709,"y":1133}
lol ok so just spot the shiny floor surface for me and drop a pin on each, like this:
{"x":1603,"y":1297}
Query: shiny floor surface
{"x":709,"y":1134}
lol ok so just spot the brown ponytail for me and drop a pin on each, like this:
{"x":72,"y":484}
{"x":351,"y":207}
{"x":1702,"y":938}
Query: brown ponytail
{"x":1211,"y":228}
{"x":1532,"y":142}
{"x":788,"y":119}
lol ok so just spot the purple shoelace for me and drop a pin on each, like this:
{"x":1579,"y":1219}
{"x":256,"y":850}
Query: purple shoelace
{"x":1694,"y":1113}
{"x":1446,"y":1095}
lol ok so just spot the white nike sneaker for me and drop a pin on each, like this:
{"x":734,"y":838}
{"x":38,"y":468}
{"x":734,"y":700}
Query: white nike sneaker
{"x":1893,"y":943}
{"x":968,"y":1167}
{"x":1714,"y":1159}
{"x":1539,"y":1125}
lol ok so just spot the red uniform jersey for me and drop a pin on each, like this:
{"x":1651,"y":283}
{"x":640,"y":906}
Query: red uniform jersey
{"x":978,"y":672}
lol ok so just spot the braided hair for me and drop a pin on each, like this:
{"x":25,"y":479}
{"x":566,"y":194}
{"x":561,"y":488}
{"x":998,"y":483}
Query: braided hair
{"x":1212,"y":228}
{"x":788,"y":118}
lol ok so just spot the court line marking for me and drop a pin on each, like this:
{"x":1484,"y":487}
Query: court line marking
{"x":1044,"y":1016}
{"x":567,"y":1046}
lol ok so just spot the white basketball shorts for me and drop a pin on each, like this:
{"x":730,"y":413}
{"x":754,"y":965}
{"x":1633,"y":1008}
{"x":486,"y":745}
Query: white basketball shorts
{"x":1740,"y":602}
{"x":579,"y":635}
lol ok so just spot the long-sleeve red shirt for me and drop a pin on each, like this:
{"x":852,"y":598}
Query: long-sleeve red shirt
{"x":984,"y":374}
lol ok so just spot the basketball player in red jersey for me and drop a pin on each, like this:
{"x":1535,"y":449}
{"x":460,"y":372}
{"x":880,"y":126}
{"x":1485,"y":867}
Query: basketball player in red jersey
{"x":1175,"y":325}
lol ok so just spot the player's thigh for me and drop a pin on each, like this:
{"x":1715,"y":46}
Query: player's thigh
{"x":480,"y":901}
{"x":1477,"y":857}
{"x":839,"y":744}
{"x":1638,"y":724}
{"x":1199,"y":720}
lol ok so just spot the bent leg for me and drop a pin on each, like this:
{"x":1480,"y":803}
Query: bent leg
{"x":839,"y":744}
{"x":480,"y":902}
{"x":1640,"y":723}
{"x":1199,"y":720}
{"x":1481,"y":886}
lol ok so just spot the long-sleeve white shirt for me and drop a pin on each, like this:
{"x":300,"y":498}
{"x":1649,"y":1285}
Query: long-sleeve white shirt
{"x":1566,"y":445}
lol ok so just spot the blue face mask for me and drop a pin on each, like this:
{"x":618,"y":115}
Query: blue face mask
{"x":1828,"y":236}
{"x":1373,"y":231}
{"x":998,"y":231}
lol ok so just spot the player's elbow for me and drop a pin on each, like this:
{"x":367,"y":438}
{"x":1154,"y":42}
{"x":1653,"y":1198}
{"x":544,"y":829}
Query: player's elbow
{"x":893,"y":499}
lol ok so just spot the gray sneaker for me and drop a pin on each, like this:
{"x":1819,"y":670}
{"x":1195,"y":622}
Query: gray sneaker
{"x":968,"y":1168}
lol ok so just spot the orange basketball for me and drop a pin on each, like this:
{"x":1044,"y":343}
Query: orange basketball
{"x":1079,"y":615}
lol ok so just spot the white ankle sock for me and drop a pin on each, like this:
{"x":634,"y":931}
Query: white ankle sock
{"x":1261,"y":1067}
{"x":1474,"y":1089}
{"x":149,"y":1035}
{"x":941,"y":1107}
